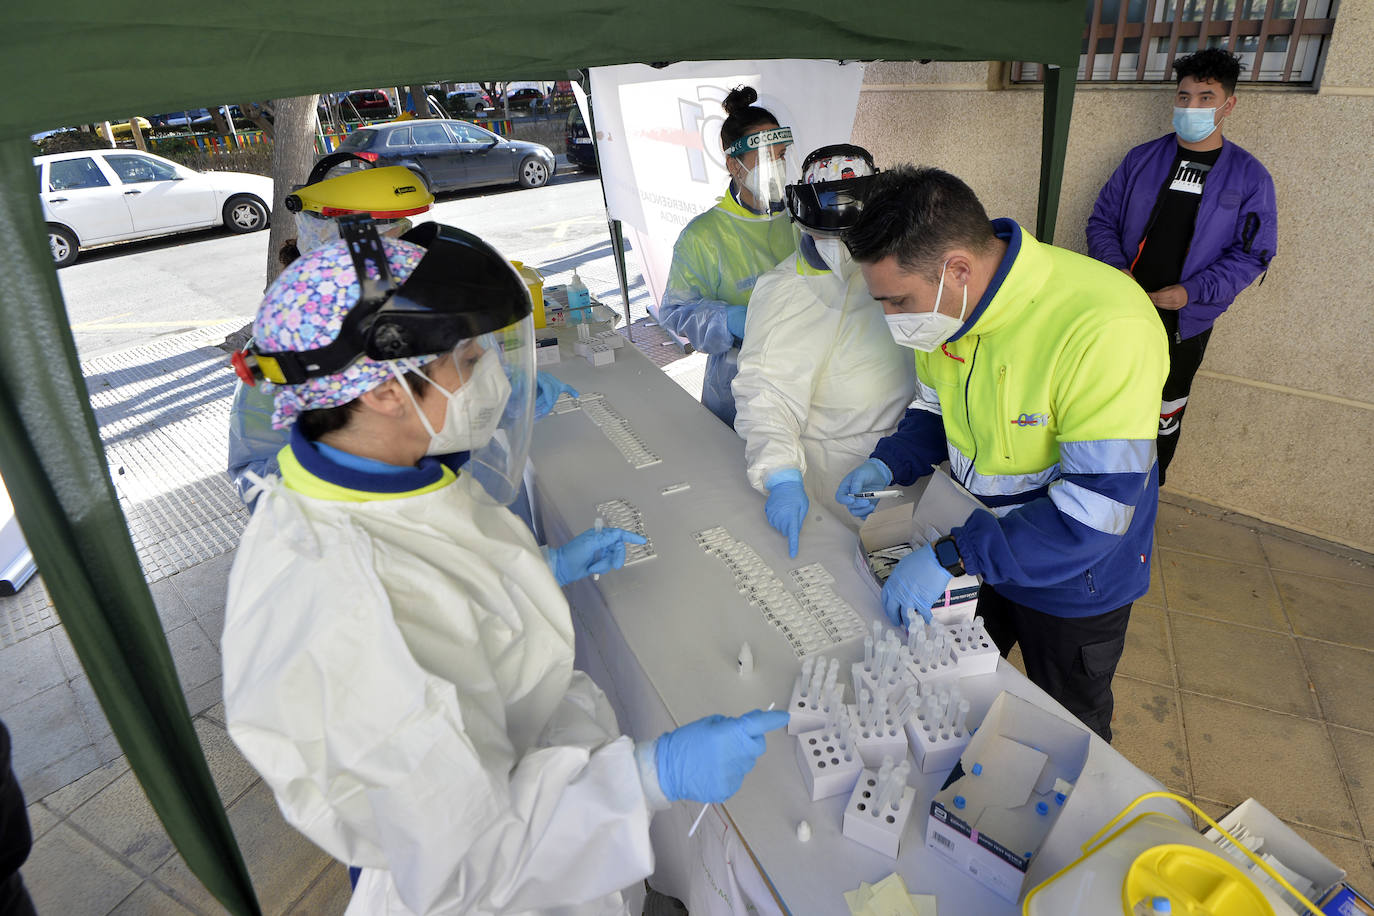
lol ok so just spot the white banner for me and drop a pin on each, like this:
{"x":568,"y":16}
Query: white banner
{"x":658,"y":136}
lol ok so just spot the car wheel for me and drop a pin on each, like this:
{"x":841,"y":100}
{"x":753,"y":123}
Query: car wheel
{"x":533,"y":173}
{"x":245,"y":214}
{"x":64,"y":245}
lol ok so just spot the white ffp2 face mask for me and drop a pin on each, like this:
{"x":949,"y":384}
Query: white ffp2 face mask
{"x":833,"y":253}
{"x":925,"y":331}
{"x":473,"y":411}
{"x":766,"y":181}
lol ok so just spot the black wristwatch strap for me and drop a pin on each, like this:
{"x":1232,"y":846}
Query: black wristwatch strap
{"x":947,"y":553}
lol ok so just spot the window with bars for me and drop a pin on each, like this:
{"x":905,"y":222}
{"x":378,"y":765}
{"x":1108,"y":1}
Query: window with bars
{"x":1278,"y":41}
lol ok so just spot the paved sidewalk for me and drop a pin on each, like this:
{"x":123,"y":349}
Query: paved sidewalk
{"x":1248,"y":669}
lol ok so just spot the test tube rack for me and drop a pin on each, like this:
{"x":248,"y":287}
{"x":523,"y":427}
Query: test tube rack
{"x":939,"y":731}
{"x":874,"y":820}
{"x":829,"y":762}
{"x":811,"y":620}
{"x":615,"y":427}
{"x":883,"y":738}
{"x":621,"y":513}
{"x":977,"y":652}
{"x":942,"y":653}
{"x":816,"y":695}
{"x":598,"y":349}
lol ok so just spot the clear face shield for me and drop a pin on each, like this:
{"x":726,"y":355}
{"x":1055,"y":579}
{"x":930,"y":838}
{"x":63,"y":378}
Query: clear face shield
{"x":489,"y":385}
{"x":314,"y":230}
{"x":767,"y":166}
{"x":499,"y":367}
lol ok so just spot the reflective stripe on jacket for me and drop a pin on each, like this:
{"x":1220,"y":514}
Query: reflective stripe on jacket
{"x":1046,"y":405}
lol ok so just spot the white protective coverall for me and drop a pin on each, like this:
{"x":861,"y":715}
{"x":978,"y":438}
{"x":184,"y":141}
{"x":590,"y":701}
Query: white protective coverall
{"x":400,"y":672}
{"x":820,"y":378}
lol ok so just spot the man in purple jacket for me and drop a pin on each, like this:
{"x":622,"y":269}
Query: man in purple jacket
{"x":1192,"y":218}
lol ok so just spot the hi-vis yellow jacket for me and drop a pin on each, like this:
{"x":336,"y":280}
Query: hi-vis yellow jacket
{"x":1046,"y":403}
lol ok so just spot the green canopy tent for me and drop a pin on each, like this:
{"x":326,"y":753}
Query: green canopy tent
{"x":73,"y":61}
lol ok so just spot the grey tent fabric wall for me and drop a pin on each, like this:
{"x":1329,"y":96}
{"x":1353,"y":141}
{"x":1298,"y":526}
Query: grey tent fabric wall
{"x":55,"y":470}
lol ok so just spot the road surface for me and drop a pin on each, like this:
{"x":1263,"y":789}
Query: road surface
{"x":131,"y":294}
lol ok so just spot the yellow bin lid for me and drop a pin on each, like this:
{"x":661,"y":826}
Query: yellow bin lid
{"x":1196,"y":881}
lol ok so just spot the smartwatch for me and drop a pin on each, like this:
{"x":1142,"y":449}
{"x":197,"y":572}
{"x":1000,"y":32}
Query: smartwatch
{"x":947,"y":553}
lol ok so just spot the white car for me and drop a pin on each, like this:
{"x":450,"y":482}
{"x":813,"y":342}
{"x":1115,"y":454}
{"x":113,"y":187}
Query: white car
{"x":16,"y":562}
{"x":92,"y":197}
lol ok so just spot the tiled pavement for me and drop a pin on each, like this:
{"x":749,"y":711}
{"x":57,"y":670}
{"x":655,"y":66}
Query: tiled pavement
{"x":1248,"y":671}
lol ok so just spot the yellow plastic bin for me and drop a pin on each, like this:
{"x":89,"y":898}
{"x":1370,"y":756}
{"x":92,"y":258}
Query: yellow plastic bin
{"x":534,"y":280}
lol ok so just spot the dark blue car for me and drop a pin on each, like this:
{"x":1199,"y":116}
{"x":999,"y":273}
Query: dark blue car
{"x":450,"y":155}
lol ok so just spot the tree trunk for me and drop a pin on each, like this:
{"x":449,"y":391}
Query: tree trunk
{"x":253,"y":112}
{"x":293,"y":153}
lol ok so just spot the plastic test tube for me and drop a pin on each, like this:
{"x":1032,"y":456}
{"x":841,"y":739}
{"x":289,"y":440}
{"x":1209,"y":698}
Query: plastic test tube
{"x":600,"y":526}
{"x":959,"y":720}
{"x":805,"y":680}
{"x":899,"y":776}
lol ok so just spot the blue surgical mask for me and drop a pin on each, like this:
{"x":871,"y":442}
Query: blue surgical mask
{"x":1194,"y":125}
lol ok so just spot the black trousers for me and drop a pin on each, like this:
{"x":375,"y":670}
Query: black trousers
{"x":1072,"y":659}
{"x":1185,"y":357}
{"x":15,"y":839}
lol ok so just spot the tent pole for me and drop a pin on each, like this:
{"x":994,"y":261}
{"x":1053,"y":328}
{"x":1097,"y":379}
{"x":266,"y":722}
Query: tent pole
{"x":1054,"y":143}
{"x":58,"y":479}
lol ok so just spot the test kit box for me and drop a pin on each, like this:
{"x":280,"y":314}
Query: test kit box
{"x":1003,"y":800}
{"x":900,"y":524}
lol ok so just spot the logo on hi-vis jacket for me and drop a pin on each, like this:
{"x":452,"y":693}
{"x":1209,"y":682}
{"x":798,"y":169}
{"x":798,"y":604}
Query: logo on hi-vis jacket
{"x":1032,"y":419}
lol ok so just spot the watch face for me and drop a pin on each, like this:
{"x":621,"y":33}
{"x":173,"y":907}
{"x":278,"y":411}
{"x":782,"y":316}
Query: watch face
{"x":947,"y":553}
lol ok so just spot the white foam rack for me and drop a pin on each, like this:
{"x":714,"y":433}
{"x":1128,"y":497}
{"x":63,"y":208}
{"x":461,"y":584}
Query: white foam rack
{"x":811,"y":619}
{"x":615,"y":427}
{"x":621,"y":513}
{"x":873,"y":822}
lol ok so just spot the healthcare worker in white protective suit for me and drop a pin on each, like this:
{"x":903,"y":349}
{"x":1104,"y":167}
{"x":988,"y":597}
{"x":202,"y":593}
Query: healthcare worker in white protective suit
{"x":335,"y":188}
{"x":820,"y":379}
{"x":722,"y":252}
{"x":397,"y":650}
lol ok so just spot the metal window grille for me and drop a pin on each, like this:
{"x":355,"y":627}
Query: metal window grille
{"x":1278,"y":41}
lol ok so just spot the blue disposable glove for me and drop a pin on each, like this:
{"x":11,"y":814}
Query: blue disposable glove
{"x":734,"y":319}
{"x":871,"y":475}
{"x":548,"y":388}
{"x":787,"y":505}
{"x":591,"y":552}
{"x":706,"y":760}
{"x":917,"y":582}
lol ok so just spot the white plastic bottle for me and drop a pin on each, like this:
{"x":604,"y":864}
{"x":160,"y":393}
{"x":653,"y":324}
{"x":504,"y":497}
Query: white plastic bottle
{"x":579,"y":299}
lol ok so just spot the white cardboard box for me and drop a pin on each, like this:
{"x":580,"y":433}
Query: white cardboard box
{"x":1023,"y":751}
{"x":1280,"y":841}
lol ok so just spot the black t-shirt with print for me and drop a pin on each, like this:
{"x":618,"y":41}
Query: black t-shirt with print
{"x":1160,"y":263}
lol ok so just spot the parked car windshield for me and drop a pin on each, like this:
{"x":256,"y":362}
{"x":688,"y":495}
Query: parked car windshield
{"x":359,"y":139}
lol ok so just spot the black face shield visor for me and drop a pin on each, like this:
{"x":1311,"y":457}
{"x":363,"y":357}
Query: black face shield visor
{"x":827,"y":208}
{"x":462,"y":288}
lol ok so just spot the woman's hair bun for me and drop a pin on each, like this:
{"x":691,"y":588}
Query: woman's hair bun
{"x":740,"y":98}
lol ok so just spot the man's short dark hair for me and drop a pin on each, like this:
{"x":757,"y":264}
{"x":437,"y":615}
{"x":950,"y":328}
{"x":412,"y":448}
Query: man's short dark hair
{"x":918,"y":215}
{"x":1210,"y":64}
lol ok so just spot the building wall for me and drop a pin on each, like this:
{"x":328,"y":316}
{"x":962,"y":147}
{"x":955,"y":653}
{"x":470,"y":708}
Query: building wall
{"x":1280,"y":423}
